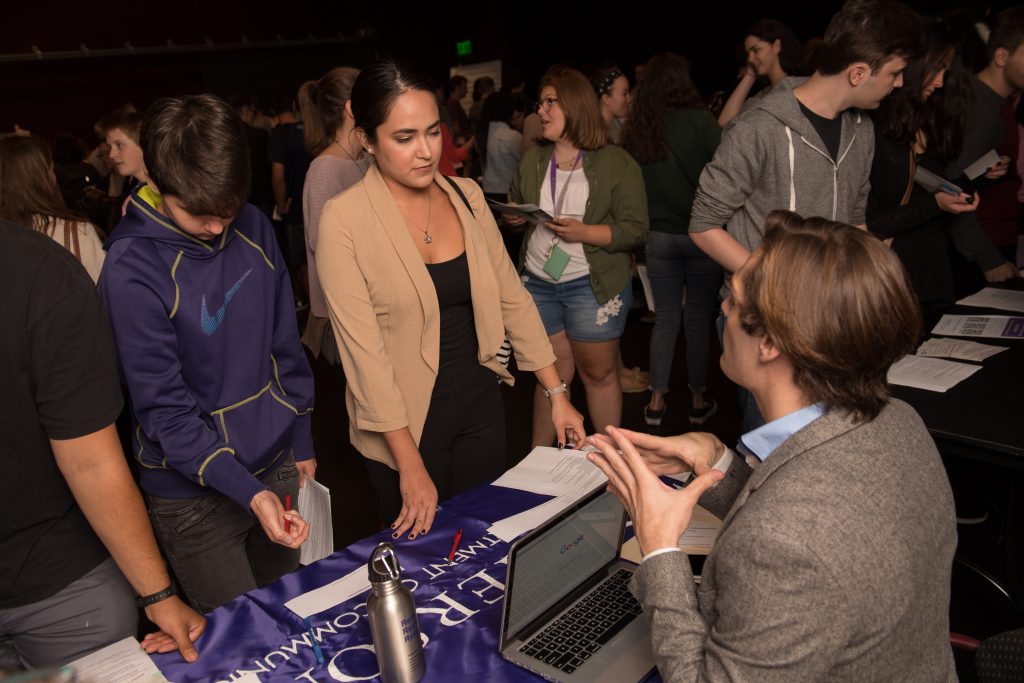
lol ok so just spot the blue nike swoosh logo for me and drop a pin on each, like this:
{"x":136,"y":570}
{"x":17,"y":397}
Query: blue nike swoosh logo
{"x":210,"y":323}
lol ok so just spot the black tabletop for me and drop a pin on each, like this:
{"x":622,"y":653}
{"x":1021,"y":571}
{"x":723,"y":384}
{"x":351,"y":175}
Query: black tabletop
{"x":982,"y":416}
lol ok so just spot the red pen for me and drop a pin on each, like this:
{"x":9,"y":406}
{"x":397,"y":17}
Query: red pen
{"x":455,"y":545}
{"x":287,"y":507}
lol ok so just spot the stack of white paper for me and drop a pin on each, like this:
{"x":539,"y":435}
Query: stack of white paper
{"x":1003,"y":299}
{"x":315,"y":507}
{"x":958,"y":348}
{"x":511,"y":528}
{"x":554,"y":472}
{"x":933,"y":374}
{"x":123,"y":662}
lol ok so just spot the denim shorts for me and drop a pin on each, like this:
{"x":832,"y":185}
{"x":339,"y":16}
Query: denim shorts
{"x":572,"y":307}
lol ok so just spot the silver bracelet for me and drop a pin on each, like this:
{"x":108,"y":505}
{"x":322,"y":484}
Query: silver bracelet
{"x":554,"y":391}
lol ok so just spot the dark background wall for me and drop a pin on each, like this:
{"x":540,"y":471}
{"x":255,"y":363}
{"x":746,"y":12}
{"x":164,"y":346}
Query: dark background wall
{"x":258,"y":47}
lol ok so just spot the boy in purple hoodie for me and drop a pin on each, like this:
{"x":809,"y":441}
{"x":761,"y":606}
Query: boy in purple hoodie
{"x":220,"y":390}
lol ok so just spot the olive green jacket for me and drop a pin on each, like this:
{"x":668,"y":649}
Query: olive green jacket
{"x":617,"y":199}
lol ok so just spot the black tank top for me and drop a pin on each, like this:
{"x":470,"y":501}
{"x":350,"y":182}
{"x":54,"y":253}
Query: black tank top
{"x":458,"y":331}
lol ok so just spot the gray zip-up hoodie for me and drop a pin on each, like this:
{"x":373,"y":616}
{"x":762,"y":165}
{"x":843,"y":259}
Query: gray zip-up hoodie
{"x":771,"y":157}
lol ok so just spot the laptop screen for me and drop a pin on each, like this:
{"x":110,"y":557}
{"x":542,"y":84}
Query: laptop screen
{"x":548,"y":567}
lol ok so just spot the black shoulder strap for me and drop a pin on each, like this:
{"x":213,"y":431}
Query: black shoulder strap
{"x":458,"y":191}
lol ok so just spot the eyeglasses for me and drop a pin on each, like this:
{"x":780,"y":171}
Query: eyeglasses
{"x":547,"y":103}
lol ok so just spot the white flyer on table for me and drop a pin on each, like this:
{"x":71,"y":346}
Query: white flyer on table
{"x":315,"y":507}
{"x":122,"y":662}
{"x":554,"y":472}
{"x":511,"y":528}
{"x":933,"y":374}
{"x":940,"y":347}
{"x":317,"y":600}
{"x":990,"y":297}
{"x":991,"y":326}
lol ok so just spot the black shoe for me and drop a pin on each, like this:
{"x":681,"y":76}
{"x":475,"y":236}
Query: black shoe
{"x":654,"y":417}
{"x":699,"y":416}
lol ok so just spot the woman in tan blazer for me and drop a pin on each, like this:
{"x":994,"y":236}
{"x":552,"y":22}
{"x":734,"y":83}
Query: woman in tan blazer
{"x":421,"y":294}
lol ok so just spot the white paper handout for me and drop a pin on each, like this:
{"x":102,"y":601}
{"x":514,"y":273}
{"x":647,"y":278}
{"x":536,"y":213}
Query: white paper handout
{"x":990,"y":159}
{"x":317,"y":600}
{"x":122,"y":662}
{"x":933,"y":374}
{"x":991,"y":326}
{"x":554,"y":472}
{"x":315,"y":507}
{"x":940,"y":347}
{"x":511,"y":528}
{"x":990,"y":297}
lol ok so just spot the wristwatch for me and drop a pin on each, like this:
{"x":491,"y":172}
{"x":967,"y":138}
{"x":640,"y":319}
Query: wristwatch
{"x":554,"y":391}
{"x":152,"y":599}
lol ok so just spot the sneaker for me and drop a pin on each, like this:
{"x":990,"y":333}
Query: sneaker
{"x":634,"y":380}
{"x":654,"y":417}
{"x":699,"y":416}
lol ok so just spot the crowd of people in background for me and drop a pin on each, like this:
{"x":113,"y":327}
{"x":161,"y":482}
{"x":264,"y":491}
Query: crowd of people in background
{"x":207,"y":224}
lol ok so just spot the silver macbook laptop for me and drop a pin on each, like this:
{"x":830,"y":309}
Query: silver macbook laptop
{"x":568,"y":613}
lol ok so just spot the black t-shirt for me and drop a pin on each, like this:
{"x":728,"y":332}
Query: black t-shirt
{"x":830,"y":130}
{"x":288,"y":148}
{"x":58,"y":379}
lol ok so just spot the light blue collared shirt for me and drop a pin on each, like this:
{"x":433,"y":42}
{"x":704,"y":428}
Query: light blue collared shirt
{"x":763,"y":441}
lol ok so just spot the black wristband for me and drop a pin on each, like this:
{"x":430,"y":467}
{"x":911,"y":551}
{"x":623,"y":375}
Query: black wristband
{"x":147,"y":600}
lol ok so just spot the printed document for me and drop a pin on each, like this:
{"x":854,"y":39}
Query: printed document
{"x":122,"y":662}
{"x":941,"y":347}
{"x":992,"y":326}
{"x":315,"y":507}
{"x":554,"y":472}
{"x":990,"y":297}
{"x":932,"y":374}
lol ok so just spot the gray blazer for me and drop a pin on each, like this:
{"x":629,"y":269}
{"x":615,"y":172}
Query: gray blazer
{"x":832,"y":564}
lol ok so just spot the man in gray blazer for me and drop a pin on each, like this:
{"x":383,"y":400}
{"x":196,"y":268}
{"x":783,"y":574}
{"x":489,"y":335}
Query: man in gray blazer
{"x":833,"y":560}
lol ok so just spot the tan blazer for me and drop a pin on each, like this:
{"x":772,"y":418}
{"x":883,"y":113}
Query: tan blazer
{"x":384,"y":309}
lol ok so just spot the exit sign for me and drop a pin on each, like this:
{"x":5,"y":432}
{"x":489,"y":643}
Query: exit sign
{"x":464,"y":48}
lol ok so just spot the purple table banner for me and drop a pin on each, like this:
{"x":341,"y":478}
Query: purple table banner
{"x":459,"y":609}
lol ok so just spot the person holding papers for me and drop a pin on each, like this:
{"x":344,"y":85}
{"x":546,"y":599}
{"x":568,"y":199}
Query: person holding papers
{"x":421,"y":294}
{"x":577,"y":267}
{"x":833,"y":560}
{"x":921,"y":127}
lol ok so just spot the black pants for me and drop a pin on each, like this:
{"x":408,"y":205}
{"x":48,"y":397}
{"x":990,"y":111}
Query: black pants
{"x":463,"y":442}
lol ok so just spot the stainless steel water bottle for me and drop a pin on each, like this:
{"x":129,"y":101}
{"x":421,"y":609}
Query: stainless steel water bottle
{"x":393,"y":625}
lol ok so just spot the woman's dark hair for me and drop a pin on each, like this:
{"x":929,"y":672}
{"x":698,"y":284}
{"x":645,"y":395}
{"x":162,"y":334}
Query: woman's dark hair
{"x":942,"y":116}
{"x":322,"y":104}
{"x":666,"y":86}
{"x":500,"y":106}
{"x":377,"y":88}
{"x":29,"y":195}
{"x":791,"y":53}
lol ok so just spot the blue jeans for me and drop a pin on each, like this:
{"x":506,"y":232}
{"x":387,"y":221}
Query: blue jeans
{"x":675,"y":262}
{"x":572,"y":307}
{"x":217,"y":549}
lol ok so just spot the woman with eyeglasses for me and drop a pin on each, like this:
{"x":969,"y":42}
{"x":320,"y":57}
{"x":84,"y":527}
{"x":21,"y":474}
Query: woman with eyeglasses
{"x":576,"y":266}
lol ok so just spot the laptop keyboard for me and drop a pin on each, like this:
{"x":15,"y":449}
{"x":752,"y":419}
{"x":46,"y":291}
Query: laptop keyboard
{"x":578,"y":634}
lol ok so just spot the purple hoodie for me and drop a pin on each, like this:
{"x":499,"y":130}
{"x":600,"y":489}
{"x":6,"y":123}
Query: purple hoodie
{"x":207,"y":340}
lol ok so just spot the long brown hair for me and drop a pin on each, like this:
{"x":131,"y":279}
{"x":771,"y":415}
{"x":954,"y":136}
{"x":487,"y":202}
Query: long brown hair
{"x":322,"y":104}
{"x":29,"y":194}
{"x":667,"y":87}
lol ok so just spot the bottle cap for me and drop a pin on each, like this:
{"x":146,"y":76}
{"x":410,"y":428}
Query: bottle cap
{"x":383,"y":564}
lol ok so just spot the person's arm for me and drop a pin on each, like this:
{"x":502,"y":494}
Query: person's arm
{"x":292,"y":375}
{"x":522,"y":322}
{"x":419,"y":494}
{"x":726,"y":183}
{"x":785,"y":593}
{"x":97,"y":474}
{"x":739,"y":95}
{"x":968,"y":238}
{"x":722,"y":248}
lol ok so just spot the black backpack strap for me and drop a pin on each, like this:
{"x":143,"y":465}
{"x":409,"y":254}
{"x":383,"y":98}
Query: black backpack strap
{"x":458,"y":191}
